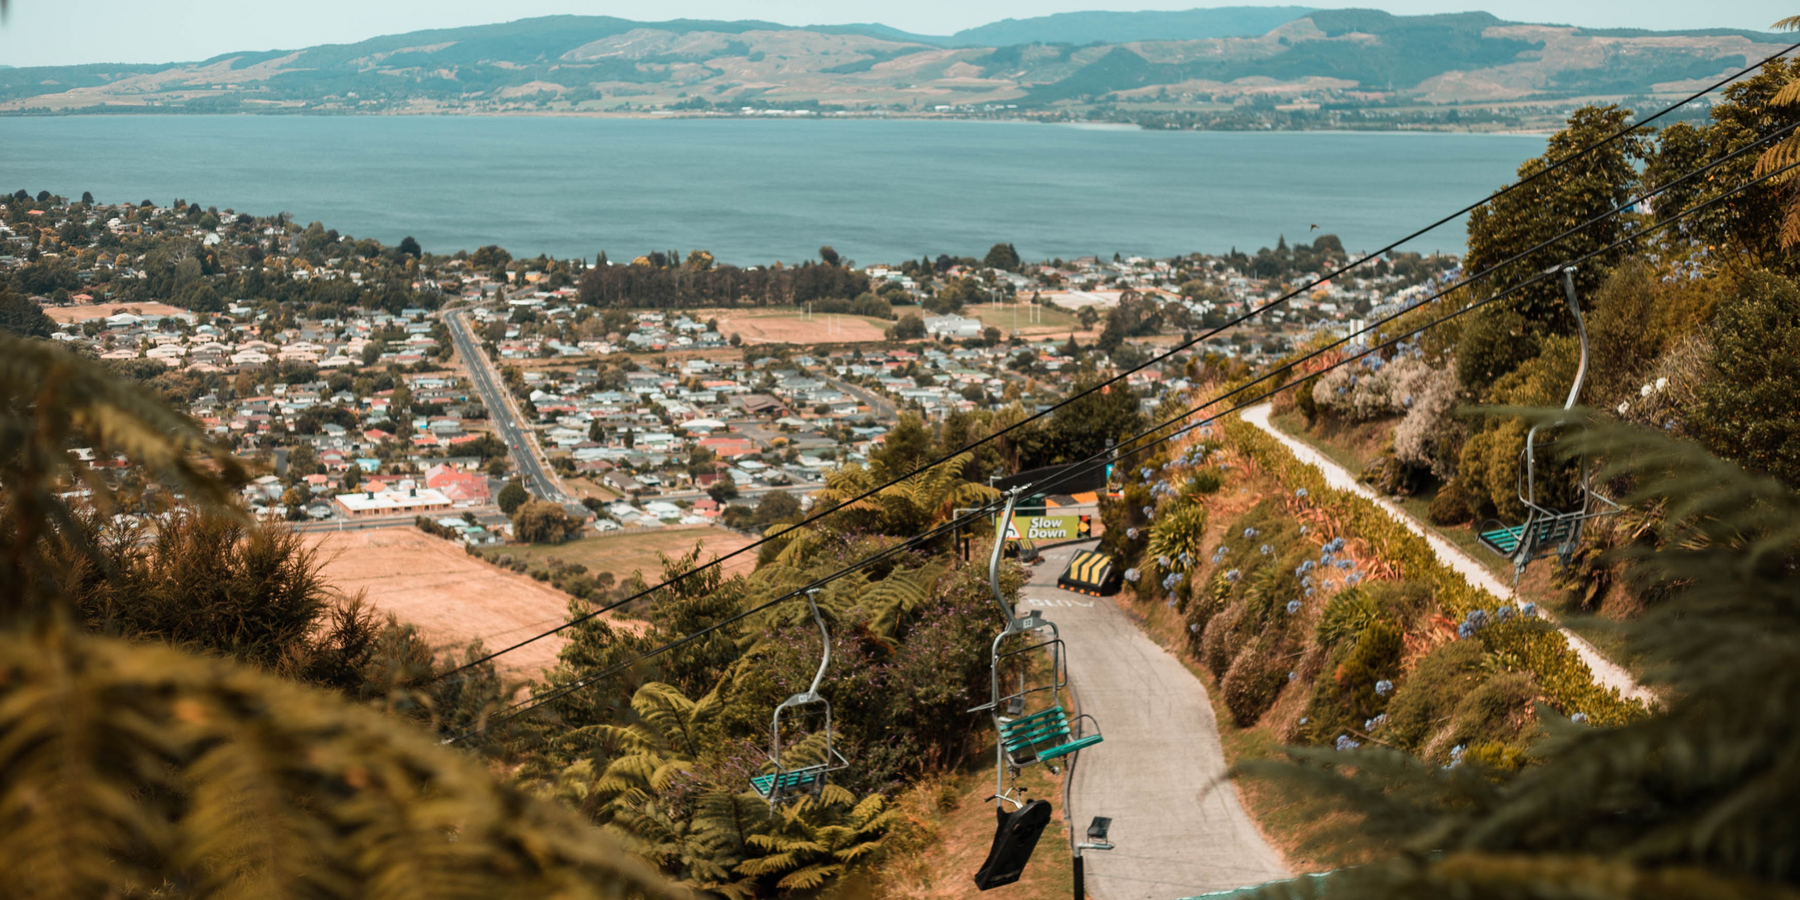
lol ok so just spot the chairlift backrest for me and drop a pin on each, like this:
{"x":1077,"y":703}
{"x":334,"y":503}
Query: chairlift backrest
{"x":785,"y":781}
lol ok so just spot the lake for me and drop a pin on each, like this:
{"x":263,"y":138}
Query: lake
{"x":755,"y":190}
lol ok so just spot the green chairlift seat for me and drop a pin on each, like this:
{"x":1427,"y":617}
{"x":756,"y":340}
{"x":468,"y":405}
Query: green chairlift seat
{"x":1542,"y":533}
{"x":1042,"y":736}
{"x":778,"y":784}
{"x":1549,"y":527}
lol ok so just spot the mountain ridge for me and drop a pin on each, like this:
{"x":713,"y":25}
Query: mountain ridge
{"x":1342,"y":59}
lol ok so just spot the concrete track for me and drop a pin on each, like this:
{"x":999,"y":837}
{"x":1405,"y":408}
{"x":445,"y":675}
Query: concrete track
{"x":1178,"y":826}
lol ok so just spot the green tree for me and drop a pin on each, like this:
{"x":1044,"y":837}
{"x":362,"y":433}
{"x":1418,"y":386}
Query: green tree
{"x":909,"y":327}
{"x":512,"y":496}
{"x":1750,"y":402}
{"x":544,"y":522}
{"x":1590,"y":183}
{"x":23,"y":316}
{"x":1002,"y":256}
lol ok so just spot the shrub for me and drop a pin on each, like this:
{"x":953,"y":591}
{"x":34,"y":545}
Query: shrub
{"x":1750,"y":409}
{"x":1425,"y":701}
{"x":1498,"y":710}
{"x":1345,"y":698}
{"x":1252,"y":683}
{"x":1495,"y":340}
{"x":1223,"y":640}
{"x":1452,"y":505}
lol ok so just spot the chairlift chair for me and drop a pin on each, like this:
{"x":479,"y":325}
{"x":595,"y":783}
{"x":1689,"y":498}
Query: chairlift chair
{"x":785,"y":782}
{"x":1027,"y":736}
{"x":1549,"y":529}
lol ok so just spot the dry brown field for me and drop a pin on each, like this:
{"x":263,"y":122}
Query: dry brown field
{"x":791,"y":327}
{"x":453,"y":597}
{"x":84,"y":312}
{"x":625,"y":554}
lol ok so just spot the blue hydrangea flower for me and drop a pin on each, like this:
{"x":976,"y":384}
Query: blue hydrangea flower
{"x":1232,"y":575}
{"x":1372,"y":724}
{"x":1293,"y":606}
{"x":1345,"y":743}
{"x":1503,"y":613}
{"x":1193,"y":627}
{"x":1131,"y":534}
{"x":1345,"y":563}
{"x":1295,"y":676}
{"x":1162,"y":561}
{"x":1300,"y":492}
{"x":1304,"y":720}
{"x":1132,"y":575}
{"x":1303,"y":529}
{"x":1249,"y":533}
{"x":1354,"y":578}
{"x":1384,"y":687}
{"x":1149,"y":512}
{"x":1528,"y":610}
{"x":1579,"y":718}
{"x":1265,"y":549}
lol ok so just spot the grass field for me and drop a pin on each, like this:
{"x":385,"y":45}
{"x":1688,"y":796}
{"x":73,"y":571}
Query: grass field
{"x":624,"y":554}
{"x":1051,"y":319}
{"x":790,"y":326}
{"x":82,"y":313}
{"x":453,"y":597}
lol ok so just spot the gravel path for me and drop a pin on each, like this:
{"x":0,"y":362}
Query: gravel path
{"x":1178,"y":826}
{"x":1606,"y":672}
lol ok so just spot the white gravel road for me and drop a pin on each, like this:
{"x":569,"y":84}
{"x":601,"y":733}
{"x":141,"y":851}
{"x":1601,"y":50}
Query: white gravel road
{"x":1606,"y":672}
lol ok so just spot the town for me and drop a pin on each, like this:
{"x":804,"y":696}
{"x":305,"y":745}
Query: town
{"x":356,"y":373}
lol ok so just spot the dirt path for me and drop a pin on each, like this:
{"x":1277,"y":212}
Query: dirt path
{"x":1178,"y":826}
{"x":1606,"y":672}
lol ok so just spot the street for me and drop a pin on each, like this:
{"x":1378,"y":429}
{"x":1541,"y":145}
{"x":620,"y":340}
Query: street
{"x":522,"y":449}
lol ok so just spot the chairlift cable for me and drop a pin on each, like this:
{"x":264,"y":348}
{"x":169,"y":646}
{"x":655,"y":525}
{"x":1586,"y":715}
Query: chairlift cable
{"x":1119,"y":451}
{"x":1178,"y":348}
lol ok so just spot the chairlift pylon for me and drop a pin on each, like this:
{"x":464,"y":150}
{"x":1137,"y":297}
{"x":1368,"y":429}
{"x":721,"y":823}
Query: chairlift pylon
{"x":1027,"y":736}
{"x":785,"y":782}
{"x":1548,"y":529}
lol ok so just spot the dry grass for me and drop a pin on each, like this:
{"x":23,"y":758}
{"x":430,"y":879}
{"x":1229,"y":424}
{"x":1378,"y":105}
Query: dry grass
{"x":453,"y":597}
{"x":792,"y":327}
{"x":624,"y":554}
{"x":1052,"y":320}
{"x":82,"y":313}
{"x":945,"y":834}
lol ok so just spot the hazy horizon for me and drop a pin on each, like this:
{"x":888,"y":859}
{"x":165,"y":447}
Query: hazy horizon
{"x":37,"y":33}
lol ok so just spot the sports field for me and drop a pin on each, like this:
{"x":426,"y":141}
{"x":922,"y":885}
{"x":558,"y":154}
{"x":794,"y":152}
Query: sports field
{"x":790,"y":326}
{"x":1050,"y":319}
{"x":453,"y":597}
{"x":625,"y":554}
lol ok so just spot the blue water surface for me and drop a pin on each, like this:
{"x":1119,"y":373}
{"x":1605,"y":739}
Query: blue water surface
{"x":759,"y":190}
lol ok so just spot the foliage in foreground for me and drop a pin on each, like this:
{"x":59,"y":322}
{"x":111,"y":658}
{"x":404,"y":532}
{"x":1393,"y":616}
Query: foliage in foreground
{"x":1695,"y":801}
{"x":135,"y":769}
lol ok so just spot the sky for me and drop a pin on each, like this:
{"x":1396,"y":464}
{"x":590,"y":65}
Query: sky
{"x":68,"y":32}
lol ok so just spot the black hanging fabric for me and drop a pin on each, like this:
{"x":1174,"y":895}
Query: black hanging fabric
{"x":1015,"y":836}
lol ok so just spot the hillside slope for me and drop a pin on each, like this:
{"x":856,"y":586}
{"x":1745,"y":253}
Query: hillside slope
{"x":1343,"y":59}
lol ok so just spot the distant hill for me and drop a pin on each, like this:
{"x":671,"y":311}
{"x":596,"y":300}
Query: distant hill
{"x":1124,"y":27}
{"x":1136,"y":66}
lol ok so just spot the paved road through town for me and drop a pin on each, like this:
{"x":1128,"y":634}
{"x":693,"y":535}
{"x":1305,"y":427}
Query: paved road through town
{"x":1178,"y":828}
{"x":523,"y":449}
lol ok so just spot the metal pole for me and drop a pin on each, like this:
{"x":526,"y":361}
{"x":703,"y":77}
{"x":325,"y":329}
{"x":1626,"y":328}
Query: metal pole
{"x":1080,"y":885}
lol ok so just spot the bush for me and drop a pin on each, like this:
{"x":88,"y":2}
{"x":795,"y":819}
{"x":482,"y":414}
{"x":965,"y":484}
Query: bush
{"x":1498,"y":711}
{"x":1426,"y":700}
{"x":1345,"y":699}
{"x":1452,"y":505}
{"x":1223,"y":640}
{"x":1252,"y":683}
{"x":1750,"y":409}
{"x":1495,"y":340}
